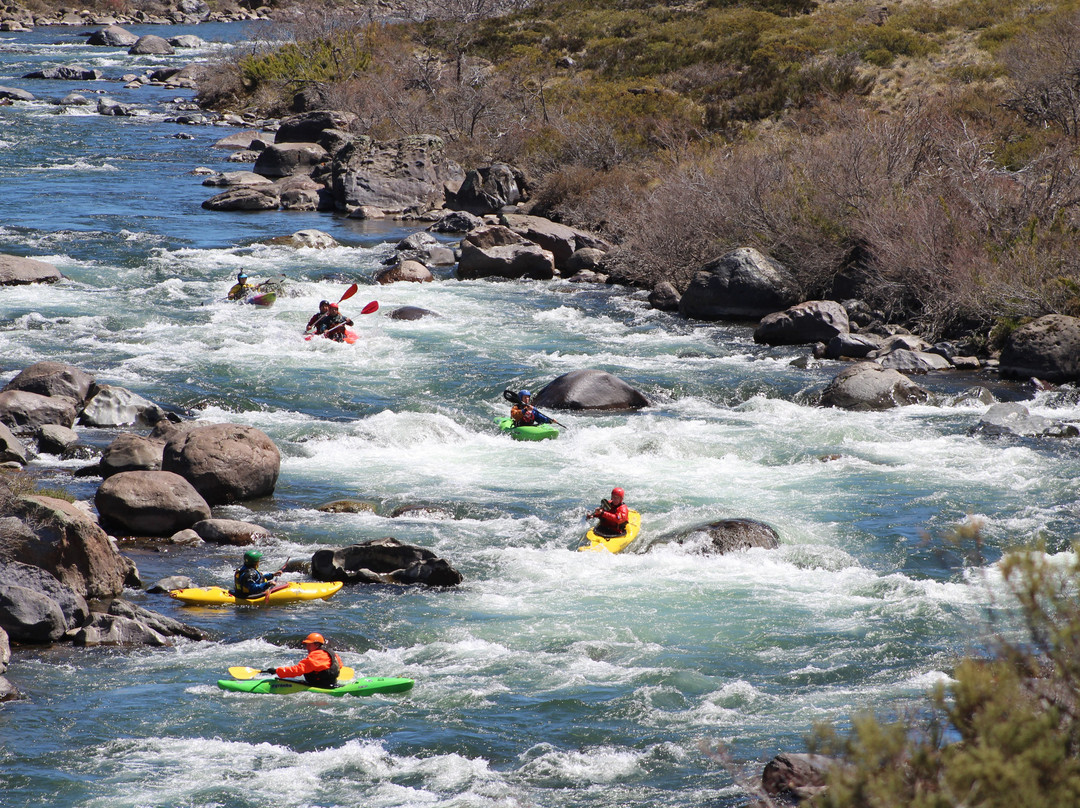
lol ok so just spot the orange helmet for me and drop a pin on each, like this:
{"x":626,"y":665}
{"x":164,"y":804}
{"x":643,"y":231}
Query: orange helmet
{"x":314,"y":637}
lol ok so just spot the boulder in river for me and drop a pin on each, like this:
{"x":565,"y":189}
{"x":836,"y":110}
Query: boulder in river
{"x":287,"y":159}
{"x":110,"y":405}
{"x":803,"y":323}
{"x":1012,"y":418}
{"x":63,"y":539}
{"x":560,"y":240}
{"x":229,"y":531}
{"x":66,"y":73}
{"x":15,"y":94}
{"x":151,"y":45}
{"x":497,"y":251}
{"x":245,"y":198}
{"x":869,"y":386}
{"x":404,"y":272}
{"x":112,"y":36}
{"x":743,"y":284}
{"x":589,"y":390}
{"x":385,"y":561}
{"x":730,"y":535}
{"x":30,"y":411}
{"x":411,"y":313}
{"x":131,"y":452}
{"x":150,"y":503}
{"x":794,"y":777}
{"x":225,"y":462}
{"x":1047,"y":349}
{"x":72,"y":605}
{"x":15,"y":271}
{"x":53,"y":379}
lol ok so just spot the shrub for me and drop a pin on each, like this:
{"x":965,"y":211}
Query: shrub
{"x":1004,"y":733}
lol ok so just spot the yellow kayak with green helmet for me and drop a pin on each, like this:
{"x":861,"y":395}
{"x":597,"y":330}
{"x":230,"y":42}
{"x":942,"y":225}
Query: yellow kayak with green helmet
{"x":254,"y":588}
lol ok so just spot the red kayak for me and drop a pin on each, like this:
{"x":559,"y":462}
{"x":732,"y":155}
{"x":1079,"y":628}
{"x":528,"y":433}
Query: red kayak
{"x":350,"y":336}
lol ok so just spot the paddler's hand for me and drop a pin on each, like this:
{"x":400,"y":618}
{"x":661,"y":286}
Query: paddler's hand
{"x":271,"y":671}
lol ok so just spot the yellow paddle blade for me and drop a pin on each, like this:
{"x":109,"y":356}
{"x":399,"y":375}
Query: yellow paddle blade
{"x":244,"y":672}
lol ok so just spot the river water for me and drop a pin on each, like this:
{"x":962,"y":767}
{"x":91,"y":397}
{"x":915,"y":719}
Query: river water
{"x":550,"y":677}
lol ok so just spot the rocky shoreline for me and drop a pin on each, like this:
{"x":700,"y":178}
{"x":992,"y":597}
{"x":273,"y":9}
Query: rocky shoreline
{"x":15,"y":18}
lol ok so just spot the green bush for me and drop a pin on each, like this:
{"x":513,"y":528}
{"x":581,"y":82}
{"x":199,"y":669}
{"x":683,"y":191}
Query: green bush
{"x":1005,"y":733}
{"x":334,"y":59}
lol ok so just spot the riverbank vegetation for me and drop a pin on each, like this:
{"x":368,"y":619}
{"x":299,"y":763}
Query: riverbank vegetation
{"x":922,"y":159}
{"x":1006,"y":729}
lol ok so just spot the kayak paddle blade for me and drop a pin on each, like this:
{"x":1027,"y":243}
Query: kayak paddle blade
{"x":373,"y":306}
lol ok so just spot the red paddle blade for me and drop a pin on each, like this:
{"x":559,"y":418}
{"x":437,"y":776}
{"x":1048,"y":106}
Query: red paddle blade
{"x":370,"y":307}
{"x":349,"y":292}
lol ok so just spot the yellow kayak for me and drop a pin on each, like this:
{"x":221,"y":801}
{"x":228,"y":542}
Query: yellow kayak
{"x":618,"y":543}
{"x":294,"y":592}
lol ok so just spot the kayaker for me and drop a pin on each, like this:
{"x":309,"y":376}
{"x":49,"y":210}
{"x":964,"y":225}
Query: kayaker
{"x":241,"y":288}
{"x":613,"y":515}
{"x":319,"y":668}
{"x":524,"y":414}
{"x":332,"y":324}
{"x":248,"y":582}
{"x":324,"y":307}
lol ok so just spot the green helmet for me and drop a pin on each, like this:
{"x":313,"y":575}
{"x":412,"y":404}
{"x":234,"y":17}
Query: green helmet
{"x":252,"y":557}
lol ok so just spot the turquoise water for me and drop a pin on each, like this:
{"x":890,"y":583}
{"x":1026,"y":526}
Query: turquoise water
{"x":549,"y":678}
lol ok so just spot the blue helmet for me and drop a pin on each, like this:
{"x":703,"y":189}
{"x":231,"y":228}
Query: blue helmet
{"x":523,"y":393}
{"x":242,"y":276}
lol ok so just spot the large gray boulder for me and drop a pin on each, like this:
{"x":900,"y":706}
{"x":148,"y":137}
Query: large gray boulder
{"x":53,"y":379}
{"x":150,"y":503}
{"x":73,"y":605}
{"x":385,"y":561}
{"x":15,"y":94}
{"x":30,"y":616}
{"x":151,"y":45}
{"x":496,"y":251}
{"x":489,"y":189}
{"x":245,"y":198}
{"x":404,"y":176}
{"x":66,"y":73}
{"x":117,"y":406}
{"x":744,"y":284}
{"x":16,"y":271}
{"x":225,"y":462}
{"x":589,"y":390}
{"x":558,"y":239}
{"x":1047,"y":349}
{"x":812,"y":321}
{"x":404,"y":272}
{"x":30,"y":411}
{"x":287,"y":159}
{"x":1014,"y":419}
{"x":869,"y":386}
{"x":112,"y":36}
{"x":307,"y":127}
{"x":130,"y":452}
{"x":730,"y":535}
{"x":61,"y":538}
{"x":127,"y":624}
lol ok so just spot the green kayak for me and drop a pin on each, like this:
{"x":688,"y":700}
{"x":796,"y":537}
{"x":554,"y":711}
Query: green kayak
{"x":534,"y":432}
{"x":357,"y":687}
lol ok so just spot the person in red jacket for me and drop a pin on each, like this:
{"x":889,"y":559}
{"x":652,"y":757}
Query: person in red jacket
{"x":613,"y":515}
{"x":319,"y":668}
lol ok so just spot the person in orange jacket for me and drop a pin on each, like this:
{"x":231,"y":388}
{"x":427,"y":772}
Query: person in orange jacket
{"x":319,"y":668}
{"x":613,"y":515}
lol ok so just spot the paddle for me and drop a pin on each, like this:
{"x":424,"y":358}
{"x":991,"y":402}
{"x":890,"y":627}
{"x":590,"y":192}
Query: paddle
{"x":244,"y":672}
{"x":514,"y":398}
